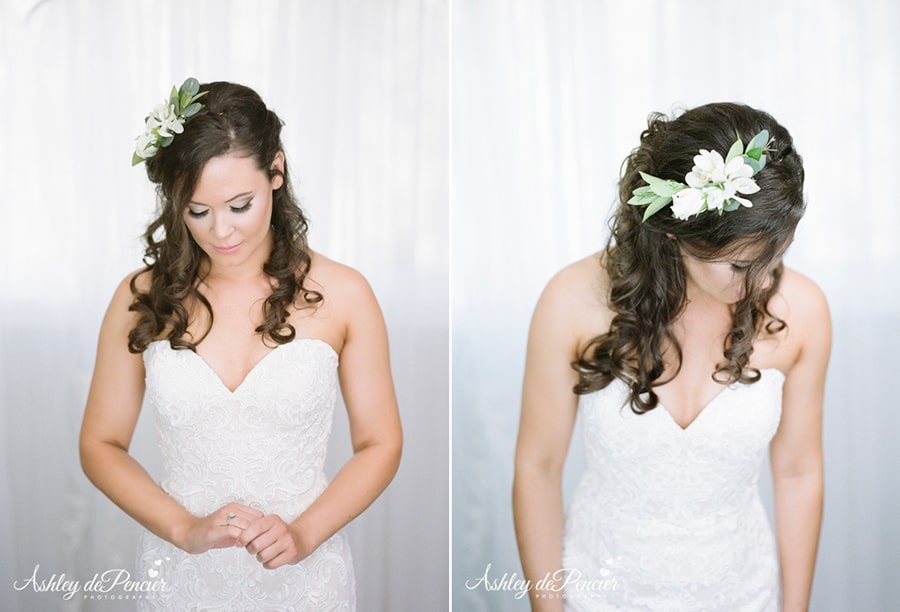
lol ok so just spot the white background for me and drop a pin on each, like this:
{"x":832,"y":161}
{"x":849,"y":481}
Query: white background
{"x":548,"y":98}
{"x":363,"y":89}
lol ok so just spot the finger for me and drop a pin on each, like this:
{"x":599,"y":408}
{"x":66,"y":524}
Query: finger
{"x":253,"y":530}
{"x":283,"y":558}
{"x":263,"y":541}
{"x":242,"y":510}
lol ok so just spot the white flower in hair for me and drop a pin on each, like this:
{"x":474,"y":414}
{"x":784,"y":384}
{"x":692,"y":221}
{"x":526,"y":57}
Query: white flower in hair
{"x":167,"y":120}
{"x":712,"y":184}
{"x":145,"y":145}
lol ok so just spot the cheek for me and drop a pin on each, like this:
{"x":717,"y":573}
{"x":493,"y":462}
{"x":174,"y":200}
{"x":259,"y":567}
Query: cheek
{"x":194,"y":226}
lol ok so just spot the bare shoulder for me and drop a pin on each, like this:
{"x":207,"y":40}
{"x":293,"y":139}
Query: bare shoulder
{"x":337,"y":280}
{"x":800,"y":301}
{"x":801,"y":304}
{"x":574,"y":302}
{"x":124,"y":296}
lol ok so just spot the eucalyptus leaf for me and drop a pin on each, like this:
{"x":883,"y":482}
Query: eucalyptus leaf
{"x":165,"y":142}
{"x":183,"y":102}
{"x":136,"y":159}
{"x":173,"y":97}
{"x":191,"y":110}
{"x":754,"y":163}
{"x":736,"y":149}
{"x":760,"y":141}
{"x":190,"y":86}
{"x":731,"y":205}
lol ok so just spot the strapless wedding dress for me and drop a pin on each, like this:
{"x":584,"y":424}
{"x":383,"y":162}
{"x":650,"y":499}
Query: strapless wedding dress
{"x":669,"y":518}
{"x":262,"y":445}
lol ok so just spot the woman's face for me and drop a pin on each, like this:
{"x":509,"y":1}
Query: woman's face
{"x":723,"y":280}
{"x":230,"y":213}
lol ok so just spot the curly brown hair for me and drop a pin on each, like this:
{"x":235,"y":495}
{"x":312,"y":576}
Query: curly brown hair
{"x":234,"y":119}
{"x":643,"y":260}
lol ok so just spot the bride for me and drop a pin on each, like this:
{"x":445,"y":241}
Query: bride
{"x":236,"y":335}
{"x":688,"y":349}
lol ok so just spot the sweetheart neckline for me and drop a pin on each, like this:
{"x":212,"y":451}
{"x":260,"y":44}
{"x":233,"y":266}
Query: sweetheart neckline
{"x":714,"y":400}
{"x":255,"y":366}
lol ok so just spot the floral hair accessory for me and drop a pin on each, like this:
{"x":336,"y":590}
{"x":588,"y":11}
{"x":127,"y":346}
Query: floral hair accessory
{"x":167,"y":120}
{"x":713,"y":184}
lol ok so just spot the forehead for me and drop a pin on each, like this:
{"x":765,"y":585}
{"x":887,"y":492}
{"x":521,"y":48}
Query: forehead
{"x":225,"y":175}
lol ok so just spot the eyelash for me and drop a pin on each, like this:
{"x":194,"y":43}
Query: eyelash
{"x":239,"y":210}
{"x":740,"y":267}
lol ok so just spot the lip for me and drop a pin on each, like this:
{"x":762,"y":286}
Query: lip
{"x":225,"y":250}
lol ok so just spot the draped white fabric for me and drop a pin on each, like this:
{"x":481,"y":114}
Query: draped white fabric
{"x":363,"y":89}
{"x":548,"y":99}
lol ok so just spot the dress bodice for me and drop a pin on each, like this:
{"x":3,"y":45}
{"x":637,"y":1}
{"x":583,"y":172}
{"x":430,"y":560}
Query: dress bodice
{"x":672,"y":513}
{"x":263,"y":444}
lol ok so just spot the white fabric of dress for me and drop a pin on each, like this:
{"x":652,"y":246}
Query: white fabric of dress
{"x":669,"y":518}
{"x":262,"y":445}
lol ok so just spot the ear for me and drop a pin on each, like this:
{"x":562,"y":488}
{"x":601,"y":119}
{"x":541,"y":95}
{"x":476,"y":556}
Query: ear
{"x":276,"y":170}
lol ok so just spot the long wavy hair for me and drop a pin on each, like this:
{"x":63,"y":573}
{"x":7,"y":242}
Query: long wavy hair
{"x":643,"y":260}
{"x":234,"y":120}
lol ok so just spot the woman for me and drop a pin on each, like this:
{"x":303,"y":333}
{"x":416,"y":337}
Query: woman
{"x":237,"y":335}
{"x":687,"y":347}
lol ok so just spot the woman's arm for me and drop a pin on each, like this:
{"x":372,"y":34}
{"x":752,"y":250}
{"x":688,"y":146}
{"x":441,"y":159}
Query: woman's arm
{"x":545,"y":429}
{"x":368,"y":392}
{"x":796,"y":449}
{"x":113,"y":406}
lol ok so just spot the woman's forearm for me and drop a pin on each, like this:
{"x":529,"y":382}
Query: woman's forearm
{"x":798,"y":517}
{"x":539,"y":519}
{"x":359,"y":482}
{"x":124,"y":481}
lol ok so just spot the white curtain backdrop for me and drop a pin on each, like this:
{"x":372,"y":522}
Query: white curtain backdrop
{"x":548,"y":98}
{"x":363,"y":88}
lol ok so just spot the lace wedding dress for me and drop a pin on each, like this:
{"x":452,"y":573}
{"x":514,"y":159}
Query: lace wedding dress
{"x":262,"y":445}
{"x":670,"y":519}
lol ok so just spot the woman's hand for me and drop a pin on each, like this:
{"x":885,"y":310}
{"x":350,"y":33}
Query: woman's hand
{"x":274,"y":542}
{"x":221,"y":529}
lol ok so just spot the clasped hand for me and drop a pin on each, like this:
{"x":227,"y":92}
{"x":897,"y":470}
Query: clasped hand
{"x":267,"y":536}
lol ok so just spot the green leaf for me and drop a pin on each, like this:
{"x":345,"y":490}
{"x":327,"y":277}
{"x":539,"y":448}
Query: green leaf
{"x":651,"y":180}
{"x":736,"y":149}
{"x":756,"y":164}
{"x":136,"y":159}
{"x":191,"y":110}
{"x":663,"y":190}
{"x":165,"y":142}
{"x":173,"y":97}
{"x":190,"y":86}
{"x":657,"y":205}
{"x":199,"y":95}
{"x":183,"y":102}
{"x":754,"y":153}
{"x":760,"y":141}
{"x":730,"y":205}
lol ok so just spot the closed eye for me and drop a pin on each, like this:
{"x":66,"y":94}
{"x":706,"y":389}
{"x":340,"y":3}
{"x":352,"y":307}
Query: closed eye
{"x":740,"y":267}
{"x":197,"y":215}
{"x":244,"y":208}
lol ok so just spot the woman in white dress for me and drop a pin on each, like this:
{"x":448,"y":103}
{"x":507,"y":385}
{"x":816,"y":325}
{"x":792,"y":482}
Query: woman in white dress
{"x":237,"y":335}
{"x":688,"y":349}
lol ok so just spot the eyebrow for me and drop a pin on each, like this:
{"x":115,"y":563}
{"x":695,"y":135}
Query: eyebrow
{"x":232,"y":199}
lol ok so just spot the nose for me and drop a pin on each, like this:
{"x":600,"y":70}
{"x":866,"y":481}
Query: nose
{"x":221,"y":227}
